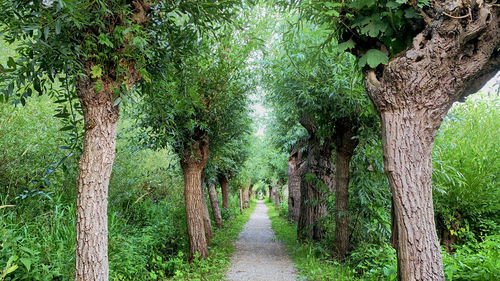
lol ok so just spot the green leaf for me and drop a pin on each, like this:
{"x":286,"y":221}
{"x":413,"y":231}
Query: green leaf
{"x":104,"y":40}
{"x":117,"y":101}
{"x":411,"y":13}
{"x":26,"y":262}
{"x":96,"y":72}
{"x":11,"y":63}
{"x":345,"y":46}
{"x":98,"y":86}
{"x":373,"y":58}
{"x":67,"y":128}
{"x":46,"y":32}
{"x":58,"y":26}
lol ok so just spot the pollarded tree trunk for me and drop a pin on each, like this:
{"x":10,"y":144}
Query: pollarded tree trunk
{"x":295,"y":170}
{"x":209,"y":233}
{"x":277,"y":197}
{"x":450,"y":59}
{"x":192,"y":164}
{"x":94,"y":171}
{"x":316,"y":184}
{"x":250,"y":192}
{"x":212,"y":193}
{"x":225,"y":191}
{"x":345,"y":144}
{"x":246,"y":196}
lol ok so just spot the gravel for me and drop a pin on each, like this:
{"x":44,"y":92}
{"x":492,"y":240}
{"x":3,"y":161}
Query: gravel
{"x":258,"y":254}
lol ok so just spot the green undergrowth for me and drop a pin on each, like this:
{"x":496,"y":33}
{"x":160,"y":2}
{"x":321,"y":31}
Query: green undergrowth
{"x":221,"y":249}
{"x":308,"y":257}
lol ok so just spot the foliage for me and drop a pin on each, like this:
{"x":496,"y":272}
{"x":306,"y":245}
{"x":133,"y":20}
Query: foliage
{"x":466,"y":160}
{"x":214,"y":267}
{"x":372,"y":30}
{"x":474,"y":261}
{"x":310,"y":259}
{"x":28,"y":148}
{"x":325,"y":86}
{"x":203,"y":95}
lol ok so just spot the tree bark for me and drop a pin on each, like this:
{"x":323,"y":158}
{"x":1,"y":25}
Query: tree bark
{"x":225,"y":191}
{"x":250,"y":192}
{"x":277,"y":197}
{"x":192,"y":164}
{"x":209,"y":233}
{"x":94,"y":171}
{"x":317,"y":182}
{"x":451,"y":58}
{"x":295,"y":170}
{"x":241,"y":200}
{"x":246,"y":196}
{"x":212,"y":193}
{"x":271,"y":194}
{"x":345,"y":145}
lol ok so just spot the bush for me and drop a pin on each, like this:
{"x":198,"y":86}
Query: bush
{"x":466,"y":160}
{"x":374,"y":262}
{"x":474,"y":261}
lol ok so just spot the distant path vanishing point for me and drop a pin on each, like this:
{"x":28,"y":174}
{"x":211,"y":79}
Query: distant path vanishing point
{"x":258,"y":255}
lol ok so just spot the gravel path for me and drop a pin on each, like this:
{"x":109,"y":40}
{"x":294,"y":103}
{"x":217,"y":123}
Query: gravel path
{"x":259,"y":256}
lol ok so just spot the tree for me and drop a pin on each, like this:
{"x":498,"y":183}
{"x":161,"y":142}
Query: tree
{"x":98,"y":50}
{"x":441,"y":51}
{"x":295,"y":170}
{"x":324,"y":91}
{"x":227,"y":160}
{"x":192,"y":106}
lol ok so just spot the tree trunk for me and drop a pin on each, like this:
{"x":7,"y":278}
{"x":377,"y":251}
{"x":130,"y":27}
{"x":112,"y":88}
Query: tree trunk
{"x":271,"y":194}
{"x":295,"y":170}
{"x":241,"y":200}
{"x":225,"y":191}
{"x":250,"y":192}
{"x":209,"y":233}
{"x":409,"y":168}
{"x":450,"y":59}
{"x":192,"y":164}
{"x":212,"y":193}
{"x":246,"y":196}
{"x":94,"y":171}
{"x":345,"y":149}
{"x":317,"y":183}
{"x":277,"y":197}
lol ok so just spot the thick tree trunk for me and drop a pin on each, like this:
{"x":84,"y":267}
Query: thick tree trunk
{"x":192,"y":165}
{"x":94,"y":172}
{"x":345,"y":149}
{"x":450,"y":59}
{"x":209,"y":233}
{"x":317,"y":182}
{"x":212,"y":193}
{"x":225,"y":191}
{"x":271,"y":194}
{"x":246,"y":196}
{"x":250,"y":192}
{"x":409,"y":168}
{"x":277,"y":197}
{"x":295,"y":170}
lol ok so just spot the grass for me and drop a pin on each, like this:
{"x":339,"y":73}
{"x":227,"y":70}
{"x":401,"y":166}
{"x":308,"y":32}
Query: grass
{"x":310,"y":260}
{"x":221,"y":250}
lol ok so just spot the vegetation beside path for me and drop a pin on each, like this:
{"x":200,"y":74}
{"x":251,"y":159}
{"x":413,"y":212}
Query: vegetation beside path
{"x":311,"y":264}
{"x":221,"y":250}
